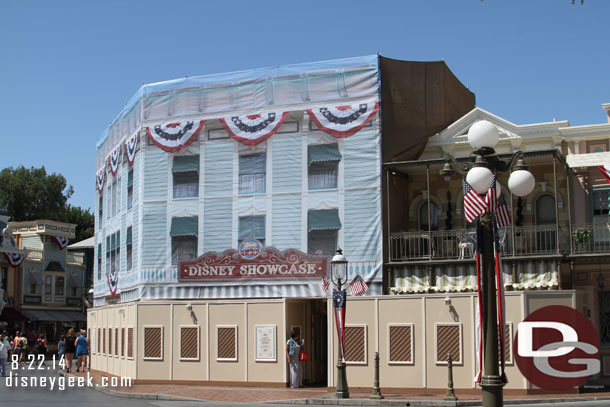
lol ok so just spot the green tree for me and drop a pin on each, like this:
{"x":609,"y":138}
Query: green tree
{"x":84,"y":220}
{"x":32,"y":193}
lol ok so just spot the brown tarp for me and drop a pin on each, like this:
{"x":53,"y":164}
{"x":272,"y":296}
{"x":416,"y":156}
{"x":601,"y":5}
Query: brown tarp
{"x":418,"y":99}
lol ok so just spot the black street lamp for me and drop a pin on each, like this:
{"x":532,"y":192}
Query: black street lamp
{"x":483,"y":137}
{"x":338,"y":276}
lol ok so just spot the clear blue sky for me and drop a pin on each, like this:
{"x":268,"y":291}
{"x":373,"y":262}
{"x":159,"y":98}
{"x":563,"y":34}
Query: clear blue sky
{"x":67,"y":68}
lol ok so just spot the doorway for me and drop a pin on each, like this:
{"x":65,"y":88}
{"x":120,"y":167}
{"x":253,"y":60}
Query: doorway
{"x":308,"y":317}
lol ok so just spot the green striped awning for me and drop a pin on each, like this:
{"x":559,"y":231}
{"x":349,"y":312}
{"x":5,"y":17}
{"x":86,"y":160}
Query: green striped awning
{"x":184,"y":226}
{"x":189,"y":163}
{"x":323,"y":219}
{"x":323,"y":153}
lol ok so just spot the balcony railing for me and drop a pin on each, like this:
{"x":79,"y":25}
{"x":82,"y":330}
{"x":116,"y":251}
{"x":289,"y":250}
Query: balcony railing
{"x":34,"y":254}
{"x":77,"y":258}
{"x":527,"y":241}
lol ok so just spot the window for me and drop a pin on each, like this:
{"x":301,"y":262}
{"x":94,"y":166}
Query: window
{"x":252,"y":227}
{"x":600,"y":207}
{"x":48,"y":285}
{"x":113,"y":252}
{"x":99,"y":261}
{"x":183,"y":232}
{"x":73,"y":291}
{"x":118,"y":196}
{"x":59,"y":286}
{"x":100,"y":216}
{"x":113,"y":197}
{"x":601,"y":202}
{"x":252,"y":172}
{"x":33,"y":289}
{"x":322,"y":242}
{"x":186,"y":176}
{"x":322,"y":231}
{"x":545,"y":210}
{"x":129,"y":248}
{"x":323,"y":161}
{"x":108,"y":201}
{"x":4,"y":278}
{"x":423,"y":216}
{"x":129,"y":189}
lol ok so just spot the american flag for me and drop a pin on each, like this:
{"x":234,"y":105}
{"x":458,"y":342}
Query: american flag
{"x":491,"y":199}
{"x":502,"y":213}
{"x":325,"y":284}
{"x":474,"y":204}
{"x":605,"y":169}
{"x":358,"y":286}
{"x":339,"y":304}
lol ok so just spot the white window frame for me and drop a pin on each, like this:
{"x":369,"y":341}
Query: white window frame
{"x":144,"y":357}
{"x":461,"y":343}
{"x":402,"y":362}
{"x":366,"y":345}
{"x":196,"y":359}
{"x":236,"y":358}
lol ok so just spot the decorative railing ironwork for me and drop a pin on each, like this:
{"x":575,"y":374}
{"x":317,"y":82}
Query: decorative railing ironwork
{"x":531,"y":240}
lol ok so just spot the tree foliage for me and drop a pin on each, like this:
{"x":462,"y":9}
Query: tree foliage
{"x":32,"y":193}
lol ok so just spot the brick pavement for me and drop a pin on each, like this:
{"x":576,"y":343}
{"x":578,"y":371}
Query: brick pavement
{"x":268,"y":394}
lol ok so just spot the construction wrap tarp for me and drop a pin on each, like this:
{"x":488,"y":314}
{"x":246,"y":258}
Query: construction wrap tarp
{"x":272,"y":169}
{"x":419,"y":99}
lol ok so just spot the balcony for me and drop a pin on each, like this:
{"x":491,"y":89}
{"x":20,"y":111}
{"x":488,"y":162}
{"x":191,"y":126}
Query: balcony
{"x":522,"y":241}
{"x":34,"y":254}
{"x":75,"y":258}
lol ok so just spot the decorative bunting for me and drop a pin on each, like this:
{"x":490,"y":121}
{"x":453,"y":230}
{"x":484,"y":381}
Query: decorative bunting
{"x":14,"y":259}
{"x":342,"y":121}
{"x":253,"y":129}
{"x":339,"y":303}
{"x":325,"y":284}
{"x":114,"y":159}
{"x":605,"y":170}
{"x":131,"y":145}
{"x":61,"y":241}
{"x":100,"y":178}
{"x":113,"y":281}
{"x":174,"y":136}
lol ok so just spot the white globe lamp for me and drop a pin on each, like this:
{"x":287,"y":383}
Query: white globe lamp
{"x":483,"y":134}
{"x":521,"y":182}
{"x":479,"y":179}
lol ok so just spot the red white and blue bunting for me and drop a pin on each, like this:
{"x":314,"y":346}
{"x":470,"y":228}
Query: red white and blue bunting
{"x":100,"y":180}
{"x":113,"y":281}
{"x":114,"y":159}
{"x":174,"y":136}
{"x":131,"y":145}
{"x":61,"y":241}
{"x":253,"y":129}
{"x":342,"y":121}
{"x":14,"y":259}
{"x":605,"y":170}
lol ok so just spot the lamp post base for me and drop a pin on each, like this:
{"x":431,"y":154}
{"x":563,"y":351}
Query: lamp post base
{"x":342,"y":389}
{"x":492,"y":391}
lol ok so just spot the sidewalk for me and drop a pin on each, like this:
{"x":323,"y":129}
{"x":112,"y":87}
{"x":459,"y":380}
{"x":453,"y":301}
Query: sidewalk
{"x":310,"y":396}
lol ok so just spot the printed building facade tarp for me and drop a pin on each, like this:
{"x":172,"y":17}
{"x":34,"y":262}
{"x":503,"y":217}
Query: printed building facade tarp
{"x":255,"y":188}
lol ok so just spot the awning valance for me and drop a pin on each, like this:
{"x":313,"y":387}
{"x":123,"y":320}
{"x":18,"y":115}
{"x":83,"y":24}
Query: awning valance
{"x":187,"y":163}
{"x":323,"y":153}
{"x":588,"y":160}
{"x":323,"y":219}
{"x":12,"y":315}
{"x":54,"y":266}
{"x":184,"y":226}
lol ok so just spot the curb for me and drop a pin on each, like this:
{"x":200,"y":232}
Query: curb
{"x":327,"y":401}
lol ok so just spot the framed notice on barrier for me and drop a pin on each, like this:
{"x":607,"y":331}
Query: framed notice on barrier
{"x":265,"y":343}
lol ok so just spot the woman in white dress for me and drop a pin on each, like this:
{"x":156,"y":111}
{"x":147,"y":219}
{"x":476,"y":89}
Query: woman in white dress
{"x":294,"y":346}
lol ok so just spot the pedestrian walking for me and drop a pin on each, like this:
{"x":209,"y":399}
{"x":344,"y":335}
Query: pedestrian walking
{"x":5,"y":347}
{"x":82,"y":351}
{"x":70,"y":349}
{"x":21,"y":346}
{"x":41,"y":345}
{"x":294,"y":346}
{"x":62,"y":347}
